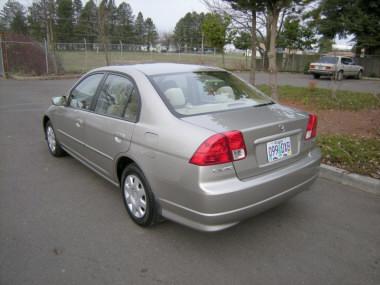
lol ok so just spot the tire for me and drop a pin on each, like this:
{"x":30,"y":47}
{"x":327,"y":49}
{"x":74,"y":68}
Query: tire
{"x":359,"y":75}
{"x":339,"y":75}
{"x":138,"y":197}
{"x":54,"y":147}
{"x":316,"y":76}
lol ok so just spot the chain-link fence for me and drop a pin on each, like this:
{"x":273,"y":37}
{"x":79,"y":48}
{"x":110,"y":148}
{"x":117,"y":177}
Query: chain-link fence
{"x":28,"y":57}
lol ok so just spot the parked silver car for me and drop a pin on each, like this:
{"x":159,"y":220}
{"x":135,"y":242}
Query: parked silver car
{"x":189,"y":143}
{"x":337,"y":67}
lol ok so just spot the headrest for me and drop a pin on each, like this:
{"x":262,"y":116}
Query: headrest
{"x":175,"y":97}
{"x":226,"y":90}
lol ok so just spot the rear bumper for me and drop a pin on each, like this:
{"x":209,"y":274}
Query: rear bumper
{"x":224,"y":204}
{"x":322,"y":72}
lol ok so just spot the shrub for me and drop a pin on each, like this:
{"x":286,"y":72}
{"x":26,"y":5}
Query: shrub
{"x":25,"y":55}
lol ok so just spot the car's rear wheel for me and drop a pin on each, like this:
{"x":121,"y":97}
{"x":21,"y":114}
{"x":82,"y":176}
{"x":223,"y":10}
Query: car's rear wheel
{"x":138,"y":197}
{"x":316,"y":76}
{"x":54,"y":147}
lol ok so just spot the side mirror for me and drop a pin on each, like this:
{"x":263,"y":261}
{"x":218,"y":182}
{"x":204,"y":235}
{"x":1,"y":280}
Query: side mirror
{"x":59,"y":101}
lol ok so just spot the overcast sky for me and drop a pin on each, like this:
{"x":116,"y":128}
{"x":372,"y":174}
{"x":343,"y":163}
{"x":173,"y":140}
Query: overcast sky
{"x":165,"y":13}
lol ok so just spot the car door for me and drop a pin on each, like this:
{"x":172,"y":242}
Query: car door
{"x":70,"y":120}
{"x":355,"y":66}
{"x":348,"y":67}
{"x":109,"y":128}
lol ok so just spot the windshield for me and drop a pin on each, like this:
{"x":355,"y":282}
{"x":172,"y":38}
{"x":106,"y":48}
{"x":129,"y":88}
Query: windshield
{"x":196,"y":93}
{"x":328,"y":59}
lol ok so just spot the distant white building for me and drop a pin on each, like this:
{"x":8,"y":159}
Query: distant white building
{"x":342,"y":47}
{"x":230,"y":48}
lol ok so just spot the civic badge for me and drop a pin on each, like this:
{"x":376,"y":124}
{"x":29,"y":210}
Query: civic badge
{"x":282,"y":127}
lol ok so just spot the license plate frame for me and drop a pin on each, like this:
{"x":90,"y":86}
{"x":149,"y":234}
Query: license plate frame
{"x":279,"y":149}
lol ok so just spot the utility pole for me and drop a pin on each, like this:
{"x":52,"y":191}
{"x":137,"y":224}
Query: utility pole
{"x":46,"y":58}
{"x":4,"y":56}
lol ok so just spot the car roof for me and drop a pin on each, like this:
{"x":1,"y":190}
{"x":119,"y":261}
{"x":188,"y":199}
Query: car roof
{"x":158,"y":68}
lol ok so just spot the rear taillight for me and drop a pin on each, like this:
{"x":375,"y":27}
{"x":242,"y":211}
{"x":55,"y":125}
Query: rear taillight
{"x":312,"y":66}
{"x":220,"y":148}
{"x":311,"y":129}
{"x":328,"y":67}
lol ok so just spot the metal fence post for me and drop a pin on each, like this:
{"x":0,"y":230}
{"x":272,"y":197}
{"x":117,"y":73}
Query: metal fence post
{"x":85,"y":54}
{"x":121,"y":49}
{"x":46,"y":58}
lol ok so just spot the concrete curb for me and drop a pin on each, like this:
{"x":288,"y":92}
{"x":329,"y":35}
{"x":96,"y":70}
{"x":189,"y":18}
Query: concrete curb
{"x":371,"y":78}
{"x":344,"y":177}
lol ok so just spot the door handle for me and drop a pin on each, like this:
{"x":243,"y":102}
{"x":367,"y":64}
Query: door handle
{"x":78,"y":122}
{"x":119,"y":137}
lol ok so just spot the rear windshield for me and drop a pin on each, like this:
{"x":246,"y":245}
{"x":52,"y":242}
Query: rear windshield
{"x":328,"y":59}
{"x":196,"y":93}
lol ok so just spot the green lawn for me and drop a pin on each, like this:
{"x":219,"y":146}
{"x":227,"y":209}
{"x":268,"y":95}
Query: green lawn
{"x":358,"y":155}
{"x":319,"y":98}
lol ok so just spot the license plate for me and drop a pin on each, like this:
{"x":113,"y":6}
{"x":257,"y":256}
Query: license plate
{"x":279,"y":149}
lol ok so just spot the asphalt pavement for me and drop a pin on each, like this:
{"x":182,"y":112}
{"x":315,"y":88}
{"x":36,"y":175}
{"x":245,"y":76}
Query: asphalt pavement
{"x":62,"y":224}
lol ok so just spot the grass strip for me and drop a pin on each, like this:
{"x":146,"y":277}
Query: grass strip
{"x":355,"y":154}
{"x":321,"y":98}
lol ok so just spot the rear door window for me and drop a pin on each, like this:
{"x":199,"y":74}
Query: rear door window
{"x":118,"y":98}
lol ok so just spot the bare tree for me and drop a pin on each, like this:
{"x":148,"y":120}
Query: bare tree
{"x":243,"y":16}
{"x":103,"y":28}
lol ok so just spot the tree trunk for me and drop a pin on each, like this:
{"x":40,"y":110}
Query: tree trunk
{"x":103,"y":18}
{"x":272,"y":53}
{"x":105,"y":46}
{"x":267,"y":42}
{"x":252,"y":74}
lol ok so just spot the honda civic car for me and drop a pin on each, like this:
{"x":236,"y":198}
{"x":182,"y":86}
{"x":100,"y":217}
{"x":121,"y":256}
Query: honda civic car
{"x":188,"y":143}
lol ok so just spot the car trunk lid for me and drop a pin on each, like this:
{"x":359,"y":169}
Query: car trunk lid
{"x":271,"y":124}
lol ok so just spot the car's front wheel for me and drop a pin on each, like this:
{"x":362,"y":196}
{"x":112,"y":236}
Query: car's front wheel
{"x":54,"y":147}
{"x":359,"y":75}
{"x":138,"y":196}
{"x":339,"y":75}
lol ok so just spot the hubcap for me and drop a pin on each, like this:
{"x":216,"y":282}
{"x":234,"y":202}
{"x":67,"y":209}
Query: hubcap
{"x":51,"y":138}
{"x":135,"y":196}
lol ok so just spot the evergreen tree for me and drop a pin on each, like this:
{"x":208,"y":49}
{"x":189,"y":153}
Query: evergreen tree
{"x":360,"y":18}
{"x":88,"y":25}
{"x":64,"y":29}
{"x":13,"y":18}
{"x":243,"y":41}
{"x":111,"y":21}
{"x":151,"y":33}
{"x":140,"y":29}
{"x":37,"y":20}
{"x":295,"y":35}
{"x":18,"y":24}
{"x":77,"y":9}
{"x":125,"y":23}
{"x":188,"y":30}
{"x":215,"y":30}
